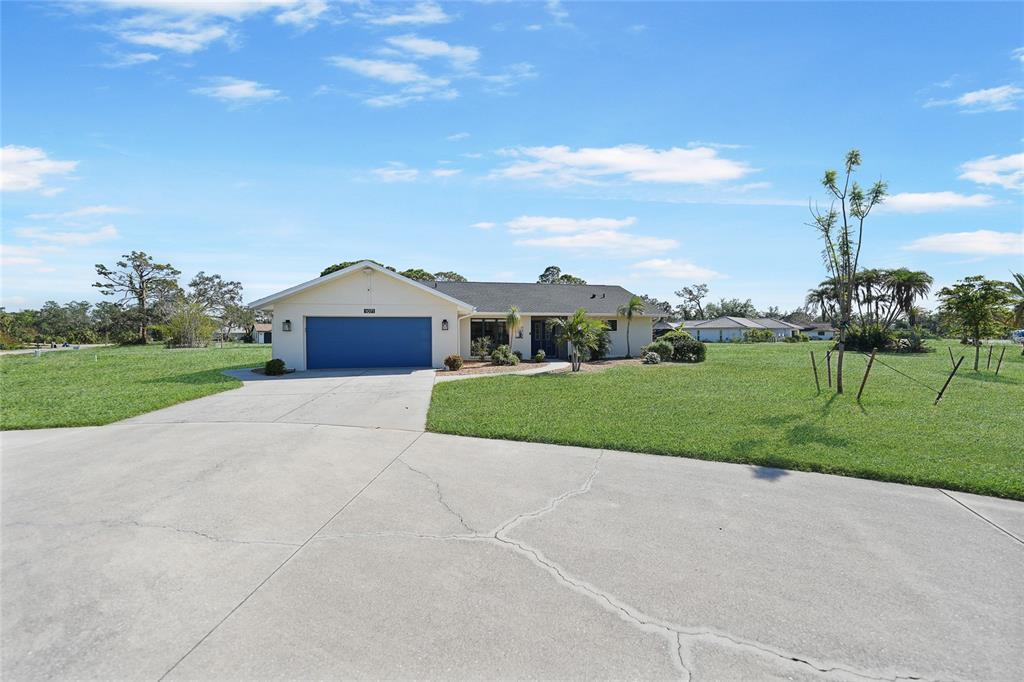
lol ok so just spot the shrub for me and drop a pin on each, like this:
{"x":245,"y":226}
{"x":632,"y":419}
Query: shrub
{"x":481,"y":347}
{"x":453,"y":362}
{"x":663,"y":348}
{"x":274,"y":367}
{"x":911,"y":341}
{"x":651,"y":358}
{"x":758,"y":336}
{"x":685,"y":348}
{"x":864,"y":338}
{"x":502,"y":355}
{"x":518,"y":354}
{"x":539,"y":357}
{"x":798,"y":337}
{"x":604,"y":346}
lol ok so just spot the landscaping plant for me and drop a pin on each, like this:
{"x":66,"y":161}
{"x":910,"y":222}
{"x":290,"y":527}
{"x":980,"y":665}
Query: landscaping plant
{"x":685,"y":348}
{"x":651,"y":358}
{"x":274,"y":367}
{"x":580,"y":332}
{"x":978,"y":308}
{"x":634,"y":306}
{"x":540,"y":355}
{"x":503,"y":355}
{"x":662,"y":347}
{"x":453,"y":362}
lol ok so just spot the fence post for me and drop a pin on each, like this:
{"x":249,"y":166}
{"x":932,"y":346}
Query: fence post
{"x":828,"y":364}
{"x":1000,"y":363}
{"x":814,"y":365}
{"x":949,"y":379}
{"x":867,"y":371}
{"x":951,"y":360}
{"x":988,"y":363}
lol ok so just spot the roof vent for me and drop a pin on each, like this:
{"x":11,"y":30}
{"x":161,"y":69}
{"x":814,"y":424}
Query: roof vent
{"x":593,"y":296}
{"x":602,"y":295}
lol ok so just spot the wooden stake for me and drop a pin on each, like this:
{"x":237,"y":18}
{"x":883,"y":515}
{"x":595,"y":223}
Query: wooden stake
{"x":814,"y":365}
{"x":988,"y":364}
{"x":952,"y":362}
{"x":871,"y":361}
{"x":949,"y":379}
{"x":1000,"y":363}
{"x":828,"y":363}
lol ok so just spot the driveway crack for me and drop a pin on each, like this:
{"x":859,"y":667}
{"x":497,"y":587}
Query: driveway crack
{"x":440,"y":496}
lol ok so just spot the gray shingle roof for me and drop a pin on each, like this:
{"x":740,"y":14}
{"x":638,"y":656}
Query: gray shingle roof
{"x":496,"y":297}
{"x":740,"y":323}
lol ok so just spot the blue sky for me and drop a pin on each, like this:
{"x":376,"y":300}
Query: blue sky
{"x":651,"y":145}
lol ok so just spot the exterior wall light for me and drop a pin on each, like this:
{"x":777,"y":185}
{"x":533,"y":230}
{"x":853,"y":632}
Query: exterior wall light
{"x":444,"y":325}
{"x":286,"y":326}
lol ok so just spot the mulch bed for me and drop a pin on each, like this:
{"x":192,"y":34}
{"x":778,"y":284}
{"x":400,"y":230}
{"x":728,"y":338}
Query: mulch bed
{"x":601,"y":365}
{"x":478,"y":367}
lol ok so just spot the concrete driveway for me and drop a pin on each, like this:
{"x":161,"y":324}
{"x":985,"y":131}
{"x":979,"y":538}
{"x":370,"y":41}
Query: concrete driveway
{"x":392,"y":398}
{"x":205,"y":548}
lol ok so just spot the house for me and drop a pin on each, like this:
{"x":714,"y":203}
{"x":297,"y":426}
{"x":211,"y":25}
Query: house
{"x":820,"y":330}
{"x":733,"y":328}
{"x":368,"y":316}
{"x":262,"y":332}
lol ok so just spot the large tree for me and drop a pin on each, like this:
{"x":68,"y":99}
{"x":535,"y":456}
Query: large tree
{"x":1016,"y":289}
{"x":553,"y":275}
{"x":448,"y":276}
{"x":842,"y":229}
{"x":631,"y":308}
{"x":692,"y":297}
{"x":139,"y":279}
{"x":731,"y":307}
{"x":220,"y":299}
{"x":978,"y":308}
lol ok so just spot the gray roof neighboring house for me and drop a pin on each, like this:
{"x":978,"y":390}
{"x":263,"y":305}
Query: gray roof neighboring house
{"x":739,"y":323}
{"x":815,"y":326}
{"x":534,"y":299}
{"x":664,"y":325}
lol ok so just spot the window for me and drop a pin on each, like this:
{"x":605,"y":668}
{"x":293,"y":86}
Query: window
{"x":494,"y":329}
{"x":613,"y":325}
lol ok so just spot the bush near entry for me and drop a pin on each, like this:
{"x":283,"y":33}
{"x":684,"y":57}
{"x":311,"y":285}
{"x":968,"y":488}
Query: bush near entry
{"x":685,"y":348}
{"x":274,"y":367}
{"x":453,"y":362}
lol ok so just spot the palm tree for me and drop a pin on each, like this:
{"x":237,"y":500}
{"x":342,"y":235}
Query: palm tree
{"x":1016,"y":288}
{"x":634,"y":306}
{"x":512,"y":323}
{"x":904,"y":288}
{"x":580,"y":332}
{"x":822,"y":299}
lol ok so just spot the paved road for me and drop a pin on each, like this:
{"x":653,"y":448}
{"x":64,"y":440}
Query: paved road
{"x":283,"y":549}
{"x":47,"y":349}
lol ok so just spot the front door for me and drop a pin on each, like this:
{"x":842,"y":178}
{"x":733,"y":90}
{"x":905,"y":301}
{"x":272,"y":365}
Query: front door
{"x":542,"y":337}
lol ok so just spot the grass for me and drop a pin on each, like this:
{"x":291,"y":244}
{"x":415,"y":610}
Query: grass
{"x":756,"y":404}
{"x":102,"y":385}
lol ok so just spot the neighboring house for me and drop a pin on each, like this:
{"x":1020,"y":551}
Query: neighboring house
{"x":263,"y":332}
{"x":820,"y":330}
{"x":733,"y":328}
{"x":663,"y":326}
{"x":233,"y":334}
{"x":368,"y":316}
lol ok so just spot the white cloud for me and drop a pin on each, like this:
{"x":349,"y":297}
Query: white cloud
{"x":674,"y":269}
{"x":558,"y":12}
{"x":1018,"y":54}
{"x":131,"y":59}
{"x":457,"y":136}
{"x":502,"y":82}
{"x":422,"y":13}
{"x":304,"y":15}
{"x":928,"y":202}
{"x":978,"y":242}
{"x":1002,"y":98}
{"x":11,"y":256}
{"x":611,"y":241}
{"x":587,"y":234}
{"x":445,"y":172}
{"x":189,"y":26}
{"x":104,"y":233}
{"x":528,"y":223}
{"x":532,"y":27}
{"x":78,"y":213}
{"x":237,"y":91}
{"x":417,"y":84}
{"x":461,"y":56}
{"x":24,"y":169}
{"x":1005,"y":171}
{"x":484,"y":225}
{"x":562,"y":165}
{"x":396,"y":172}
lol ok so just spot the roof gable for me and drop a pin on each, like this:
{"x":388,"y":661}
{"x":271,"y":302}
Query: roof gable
{"x":267,"y":301}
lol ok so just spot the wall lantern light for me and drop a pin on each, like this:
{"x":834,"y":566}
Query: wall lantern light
{"x":286,"y":326}
{"x":444,"y":325}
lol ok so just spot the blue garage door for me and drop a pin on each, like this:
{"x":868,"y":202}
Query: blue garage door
{"x":338,"y":342}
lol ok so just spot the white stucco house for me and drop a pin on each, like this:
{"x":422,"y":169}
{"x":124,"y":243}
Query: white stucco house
{"x":733,"y":328}
{"x":368,"y":316}
{"x":820,"y":330}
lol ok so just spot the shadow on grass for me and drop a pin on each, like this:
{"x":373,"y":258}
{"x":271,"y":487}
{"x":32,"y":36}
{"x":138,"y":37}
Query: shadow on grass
{"x":204,"y":377}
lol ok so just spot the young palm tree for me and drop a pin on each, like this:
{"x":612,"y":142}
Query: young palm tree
{"x":512,"y":323}
{"x":1016,"y":288}
{"x":580,"y":332}
{"x":634,"y":306}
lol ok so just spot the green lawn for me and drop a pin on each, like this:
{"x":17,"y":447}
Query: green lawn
{"x":756,"y":404}
{"x":102,"y":385}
